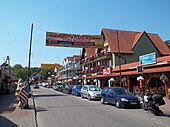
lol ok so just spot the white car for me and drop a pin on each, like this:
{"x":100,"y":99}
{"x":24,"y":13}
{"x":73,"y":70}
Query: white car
{"x":91,"y":92}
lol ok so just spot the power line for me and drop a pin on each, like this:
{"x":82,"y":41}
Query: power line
{"x":40,"y":28}
{"x":38,"y":49}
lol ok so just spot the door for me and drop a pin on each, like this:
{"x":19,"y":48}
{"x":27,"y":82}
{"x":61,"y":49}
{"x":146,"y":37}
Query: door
{"x":111,"y":96}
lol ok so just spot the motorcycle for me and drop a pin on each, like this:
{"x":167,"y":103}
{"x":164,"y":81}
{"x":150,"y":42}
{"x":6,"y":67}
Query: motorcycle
{"x":152,"y":102}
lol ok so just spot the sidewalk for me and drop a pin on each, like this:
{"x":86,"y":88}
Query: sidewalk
{"x":12,"y":116}
{"x":166,"y":108}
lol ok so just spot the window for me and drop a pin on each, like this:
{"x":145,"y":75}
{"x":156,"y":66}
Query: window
{"x":110,"y":91}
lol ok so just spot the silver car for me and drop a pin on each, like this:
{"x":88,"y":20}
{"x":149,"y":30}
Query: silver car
{"x":91,"y":92}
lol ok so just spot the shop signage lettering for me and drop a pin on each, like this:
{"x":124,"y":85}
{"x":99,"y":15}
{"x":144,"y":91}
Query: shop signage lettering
{"x":50,"y":65}
{"x":107,"y":71}
{"x":73,"y":40}
{"x":148,"y":59}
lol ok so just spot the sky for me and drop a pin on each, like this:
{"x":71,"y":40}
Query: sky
{"x":73,"y":17}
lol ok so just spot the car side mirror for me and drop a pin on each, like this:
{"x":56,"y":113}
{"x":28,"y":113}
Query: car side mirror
{"x":112,"y":93}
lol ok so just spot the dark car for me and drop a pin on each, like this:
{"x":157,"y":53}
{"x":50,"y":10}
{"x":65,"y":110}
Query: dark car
{"x":76,"y":90}
{"x":36,"y":86}
{"x":67,"y":89}
{"x":61,"y":87}
{"x":120,"y":97}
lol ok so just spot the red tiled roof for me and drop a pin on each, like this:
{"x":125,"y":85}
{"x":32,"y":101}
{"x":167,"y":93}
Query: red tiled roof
{"x":90,"y":51}
{"x":161,"y":46}
{"x":128,"y":39}
{"x":137,"y":37}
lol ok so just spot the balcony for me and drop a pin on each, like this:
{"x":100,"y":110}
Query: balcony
{"x":97,"y":57}
{"x":98,"y":70}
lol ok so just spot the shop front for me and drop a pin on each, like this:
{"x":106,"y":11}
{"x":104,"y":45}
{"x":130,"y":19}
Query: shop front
{"x":155,"y":77}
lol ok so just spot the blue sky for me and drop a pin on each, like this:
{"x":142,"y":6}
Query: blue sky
{"x":74,"y":17}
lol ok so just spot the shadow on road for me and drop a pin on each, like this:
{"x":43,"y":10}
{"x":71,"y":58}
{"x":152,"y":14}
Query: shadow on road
{"x":49,"y":95}
{"x":40,"y":109}
{"x":6,"y":122}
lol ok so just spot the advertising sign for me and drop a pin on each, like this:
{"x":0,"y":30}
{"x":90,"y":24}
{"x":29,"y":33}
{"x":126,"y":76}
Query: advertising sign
{"x":50,"y":65}
{"x":73,"y":40}
{"x":107,"y":71}
{"x":148,"y":59}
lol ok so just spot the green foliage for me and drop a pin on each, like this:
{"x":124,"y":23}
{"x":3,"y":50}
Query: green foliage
{"x":38,"y":73}
{"x":20,"y":72}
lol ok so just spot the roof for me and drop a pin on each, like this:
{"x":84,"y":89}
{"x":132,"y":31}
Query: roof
{"x":128,"y":39}
{"x":90,"y":51}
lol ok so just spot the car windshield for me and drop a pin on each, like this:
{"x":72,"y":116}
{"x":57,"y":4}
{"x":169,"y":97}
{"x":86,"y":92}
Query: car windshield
{"x":120,"y":91}
{"x":94,"y":88}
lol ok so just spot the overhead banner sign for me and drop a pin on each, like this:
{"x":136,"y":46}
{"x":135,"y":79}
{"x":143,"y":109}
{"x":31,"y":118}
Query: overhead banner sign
{"x":148,"y":59}
{"x":50,"y":65}
{"x":73,"y":40}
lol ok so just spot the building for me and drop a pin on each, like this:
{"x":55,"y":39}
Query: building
{"x":69,"y":72}
{"x":6,"y":84}
{"x":112,"y":64}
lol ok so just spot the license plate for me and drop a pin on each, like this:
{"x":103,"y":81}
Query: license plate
{"x":133,"y":103}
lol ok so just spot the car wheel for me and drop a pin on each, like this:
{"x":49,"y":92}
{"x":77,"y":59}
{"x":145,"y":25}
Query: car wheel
{"x":102,"y":101}
{"x":89,"y":97}
{"x":117,"y":103}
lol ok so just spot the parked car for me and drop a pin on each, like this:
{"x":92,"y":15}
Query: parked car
{"x":76,"y":90}
{"x":44,"y":84}
{"x":57,"y":85}
{"x":67,"y":89}
{"x":119,"y":96}
{"x":61,"y":87}
{"x":36,"y":86}
{"x":91,"y":92}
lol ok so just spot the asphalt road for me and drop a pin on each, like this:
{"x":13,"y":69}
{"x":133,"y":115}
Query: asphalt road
{"x":55,"y":109}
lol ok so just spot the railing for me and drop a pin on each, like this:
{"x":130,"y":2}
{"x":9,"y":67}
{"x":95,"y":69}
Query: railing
{"x":98,"y":70}
{"x":98,"y":55}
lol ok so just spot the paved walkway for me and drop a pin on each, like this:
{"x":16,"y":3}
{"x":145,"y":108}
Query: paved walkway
{"x":166,"y":108}
{"x":12,"y":116}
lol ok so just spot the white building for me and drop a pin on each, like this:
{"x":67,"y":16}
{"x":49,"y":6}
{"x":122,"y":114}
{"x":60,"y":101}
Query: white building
{"x":69,"y":72}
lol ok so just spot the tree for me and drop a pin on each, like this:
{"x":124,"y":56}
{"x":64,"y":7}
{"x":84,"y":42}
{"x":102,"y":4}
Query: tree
{"x":20,"y":72}
{"x":35,"y":72}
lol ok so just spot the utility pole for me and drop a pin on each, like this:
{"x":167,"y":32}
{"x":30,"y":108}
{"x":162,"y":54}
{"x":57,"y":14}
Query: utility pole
{"x":120,"y":75}
{"x":29,"y":61}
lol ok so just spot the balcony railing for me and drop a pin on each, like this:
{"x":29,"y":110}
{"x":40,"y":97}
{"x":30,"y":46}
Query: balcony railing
{"x":98,"y":70}
{"x":98,"y":56}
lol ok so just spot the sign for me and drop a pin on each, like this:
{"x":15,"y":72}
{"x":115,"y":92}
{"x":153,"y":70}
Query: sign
{"x":73,"y":40}
{"x":50,"y":65}
{"x":107,"y":71}
{"x":148,"y":59}
{"x":139,"y":69}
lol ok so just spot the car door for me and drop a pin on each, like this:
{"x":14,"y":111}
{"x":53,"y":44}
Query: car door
{"x":82,"y":90}
{"x":86,"y":91}
{"x":104,"y":94}
{"x":111,"y":95}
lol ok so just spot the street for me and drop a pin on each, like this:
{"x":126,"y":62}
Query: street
{"x":57,"y":109}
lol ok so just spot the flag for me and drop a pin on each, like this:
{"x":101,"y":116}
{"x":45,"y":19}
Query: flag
{"x":24,"y":94}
